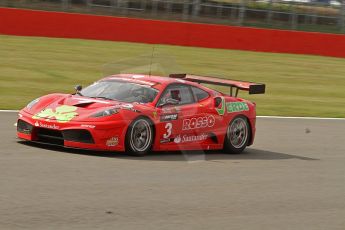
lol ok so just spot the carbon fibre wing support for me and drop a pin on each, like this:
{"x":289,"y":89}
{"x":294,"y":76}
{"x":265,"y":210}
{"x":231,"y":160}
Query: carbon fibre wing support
{"x":251,"y":87}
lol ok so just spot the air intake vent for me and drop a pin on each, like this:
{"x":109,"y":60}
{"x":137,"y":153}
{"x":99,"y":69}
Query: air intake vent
{"x":50,"y":136}
{"x":83,"y":105}
{"x":24,"y":127}
{"x":78,"y":135}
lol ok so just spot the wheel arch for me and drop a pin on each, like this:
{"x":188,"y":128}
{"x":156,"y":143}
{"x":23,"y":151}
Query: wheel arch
{"x":129,"y":148}
{"x":147,"y":118}
{"x":251,"y":137}
{"x":250,"y":142}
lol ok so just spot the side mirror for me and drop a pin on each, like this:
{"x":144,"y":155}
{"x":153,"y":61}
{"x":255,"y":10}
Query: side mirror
{"x":168,"y":101}
{"x":78,"y":88}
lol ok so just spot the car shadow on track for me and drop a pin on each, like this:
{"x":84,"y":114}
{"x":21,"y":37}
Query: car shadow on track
{"x":190,"y":156}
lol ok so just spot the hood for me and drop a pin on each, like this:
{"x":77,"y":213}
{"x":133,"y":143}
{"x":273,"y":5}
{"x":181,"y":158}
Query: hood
{"x":66,"y":107}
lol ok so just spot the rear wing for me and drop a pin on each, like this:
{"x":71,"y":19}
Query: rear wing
{"x":251,"y":87}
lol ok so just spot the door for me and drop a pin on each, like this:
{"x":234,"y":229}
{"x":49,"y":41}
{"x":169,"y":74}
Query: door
{"x":179,"y":113}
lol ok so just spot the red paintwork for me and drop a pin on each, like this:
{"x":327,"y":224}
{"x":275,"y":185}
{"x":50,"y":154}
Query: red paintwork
{"x":116,"y":125}
{"x":68,"y":25}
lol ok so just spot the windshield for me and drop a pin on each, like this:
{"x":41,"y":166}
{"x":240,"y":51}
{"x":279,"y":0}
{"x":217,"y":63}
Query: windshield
{"x":120,"y":91}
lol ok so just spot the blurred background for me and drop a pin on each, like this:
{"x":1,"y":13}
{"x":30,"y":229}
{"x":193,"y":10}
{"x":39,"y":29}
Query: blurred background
{"x":297,"y":84}
{"x":305,"y":15}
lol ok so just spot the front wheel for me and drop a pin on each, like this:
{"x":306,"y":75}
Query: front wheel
{"x":139,"y":137}
{"x":237,"y":135}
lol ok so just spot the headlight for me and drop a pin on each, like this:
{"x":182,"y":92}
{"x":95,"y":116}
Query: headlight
{"x":29,"y":106}
{"x":104,"y":113}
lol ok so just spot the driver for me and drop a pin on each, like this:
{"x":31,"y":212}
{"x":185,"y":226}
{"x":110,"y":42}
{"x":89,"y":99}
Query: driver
{"x":175,"y":94}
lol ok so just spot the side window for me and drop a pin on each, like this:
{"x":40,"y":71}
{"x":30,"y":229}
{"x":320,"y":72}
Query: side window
{"x":199,"y":93}
{"x":181,"y":93}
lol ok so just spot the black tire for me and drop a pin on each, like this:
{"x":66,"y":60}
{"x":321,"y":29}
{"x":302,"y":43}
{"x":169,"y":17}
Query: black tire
{"x":237,"y":135}
{"x":139,"y":137}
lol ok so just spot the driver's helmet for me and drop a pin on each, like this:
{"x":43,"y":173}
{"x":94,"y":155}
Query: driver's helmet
{"x":175,"y":94}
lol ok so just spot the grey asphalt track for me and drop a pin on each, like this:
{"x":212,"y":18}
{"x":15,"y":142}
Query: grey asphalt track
{"x":293,"y":177}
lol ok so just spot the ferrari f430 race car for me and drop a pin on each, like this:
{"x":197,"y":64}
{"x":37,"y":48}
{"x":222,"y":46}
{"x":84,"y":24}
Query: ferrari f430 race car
{"x":141,"y":113}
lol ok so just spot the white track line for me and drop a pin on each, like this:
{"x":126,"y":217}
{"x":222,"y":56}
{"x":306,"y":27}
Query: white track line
{"x":9,"y":111}
{"x":275,"y":117}
{"x":306,"y":118}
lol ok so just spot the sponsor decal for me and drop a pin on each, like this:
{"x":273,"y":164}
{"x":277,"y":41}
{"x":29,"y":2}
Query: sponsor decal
{"x":113,"y":141}
{"x":198,"y":122}
{"x":190,"y":138}
{"x":48,"y":126}
{"x":171,"y":110}
{"x":162,"y":141}
{"x":177,"y":139}
{"x":62,"y":114}
{"x":169,"y":117}
{"x":233,"y":107}
{"x":88,"y":126}
{"x":154,"y":113}
{"x":221,"y":111}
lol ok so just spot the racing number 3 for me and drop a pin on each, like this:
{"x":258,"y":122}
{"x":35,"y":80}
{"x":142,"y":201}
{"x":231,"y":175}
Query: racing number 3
{"x":168,"y":127}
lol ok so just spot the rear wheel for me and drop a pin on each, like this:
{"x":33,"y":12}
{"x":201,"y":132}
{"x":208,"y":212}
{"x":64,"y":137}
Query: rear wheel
{"x":139,"y":137}
{"x":237,"y":135}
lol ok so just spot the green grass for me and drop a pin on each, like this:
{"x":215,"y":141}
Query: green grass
{"x":297,"y":85}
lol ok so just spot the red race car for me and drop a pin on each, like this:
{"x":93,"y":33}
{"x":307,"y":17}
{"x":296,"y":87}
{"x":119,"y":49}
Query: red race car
{"x":141,"y":113}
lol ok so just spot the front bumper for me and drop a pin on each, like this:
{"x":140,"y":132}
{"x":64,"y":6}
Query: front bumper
{"x":108,"y":135}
